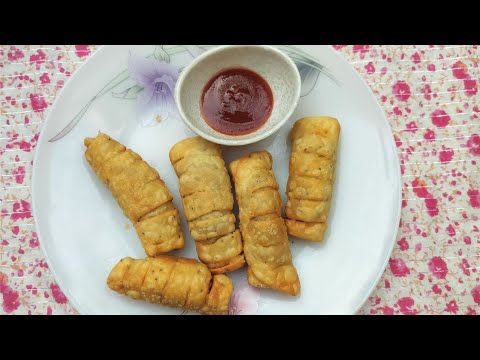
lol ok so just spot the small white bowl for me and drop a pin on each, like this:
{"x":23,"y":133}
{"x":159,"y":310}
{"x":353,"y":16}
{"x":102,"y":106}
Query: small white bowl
{"x":274,"y":66}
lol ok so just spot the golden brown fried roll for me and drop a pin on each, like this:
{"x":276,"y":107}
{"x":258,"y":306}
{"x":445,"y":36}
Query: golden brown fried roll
{"x":138,"y":189}
{"x":208,"y":203}
{"x":172,"y":281}
{"x":312,"y":175}
{"x":264,"y":233}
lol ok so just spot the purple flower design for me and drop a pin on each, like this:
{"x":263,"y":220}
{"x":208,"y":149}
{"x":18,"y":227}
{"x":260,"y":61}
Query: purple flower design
{"x":156,"y":102}
{"x":244,"y":300}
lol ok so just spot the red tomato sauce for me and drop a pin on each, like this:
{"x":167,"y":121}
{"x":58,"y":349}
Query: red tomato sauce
{"x":236,"y":101}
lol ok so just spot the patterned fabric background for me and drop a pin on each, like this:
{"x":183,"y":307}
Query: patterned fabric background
{"x":430,"y":96}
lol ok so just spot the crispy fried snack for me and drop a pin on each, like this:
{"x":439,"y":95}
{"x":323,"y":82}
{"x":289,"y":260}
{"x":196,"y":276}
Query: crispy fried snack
{"x":138,"y":189}
{"x":208,"y":202}
{"x":312,"y":175}
{"x":172,"y":281}
{"x":264,"y":233}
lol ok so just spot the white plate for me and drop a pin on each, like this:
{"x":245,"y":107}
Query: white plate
{"x":83,"y":232}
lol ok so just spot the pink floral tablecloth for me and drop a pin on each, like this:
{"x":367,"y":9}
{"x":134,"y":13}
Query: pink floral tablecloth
{"x":430,"y":96}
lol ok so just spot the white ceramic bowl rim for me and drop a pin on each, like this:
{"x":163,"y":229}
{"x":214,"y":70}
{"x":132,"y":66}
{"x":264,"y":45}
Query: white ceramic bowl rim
{"x":254,"y":136}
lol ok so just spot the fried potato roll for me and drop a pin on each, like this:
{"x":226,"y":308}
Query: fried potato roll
{"x":138,"y":189}
{"x":208,"y":203}
{"x":172,"y":281}
{"x":263,"y":230}
{"x":311,"y":176}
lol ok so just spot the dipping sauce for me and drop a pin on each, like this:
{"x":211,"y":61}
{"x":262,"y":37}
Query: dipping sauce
{"x":236,"y":101}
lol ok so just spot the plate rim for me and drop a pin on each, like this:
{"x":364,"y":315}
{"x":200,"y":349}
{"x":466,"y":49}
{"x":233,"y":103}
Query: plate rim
{"x":40,"y":141}
{"x":388,"y":142}
{"x":398,"y":179}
